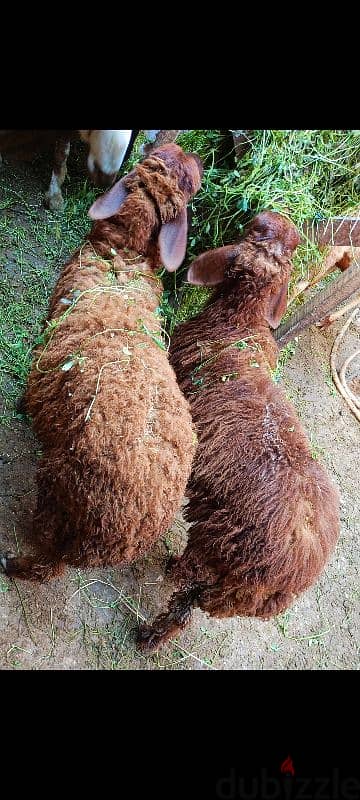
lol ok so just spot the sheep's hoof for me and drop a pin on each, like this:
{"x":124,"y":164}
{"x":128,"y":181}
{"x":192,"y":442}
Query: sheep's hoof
{"x":20,"y":405}
{"x":55,"y":202}
{"x":4,"y":558}
{"x":171,"y":564}
{"x":147,"y":639}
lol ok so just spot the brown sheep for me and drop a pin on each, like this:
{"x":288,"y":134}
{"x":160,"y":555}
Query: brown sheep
{"x":264,"y":514}
{"x":116,"y":431}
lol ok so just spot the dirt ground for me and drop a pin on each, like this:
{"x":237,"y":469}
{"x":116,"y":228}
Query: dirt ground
{"x":85,"y":620}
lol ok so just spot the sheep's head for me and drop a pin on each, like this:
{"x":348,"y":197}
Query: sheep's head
{"x":277,"y":231}
{"x":166,"y":179}
{"x":260,"y":263}
{"x":187,"y":168}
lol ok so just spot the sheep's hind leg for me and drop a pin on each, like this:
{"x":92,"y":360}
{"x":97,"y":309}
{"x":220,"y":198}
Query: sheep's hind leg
{"x":53,"y":198}
{"x":21,"y":404}
{"x":150,"y":637}
{"x":30,"y":568}
{"x":171,"y":564}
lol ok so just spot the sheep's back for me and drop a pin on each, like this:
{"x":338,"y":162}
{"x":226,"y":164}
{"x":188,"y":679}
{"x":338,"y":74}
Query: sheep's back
{"x":116,"y":430}
{"x":265,"y":513}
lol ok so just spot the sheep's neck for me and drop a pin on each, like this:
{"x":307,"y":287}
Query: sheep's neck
{"x":123,"y":233}
{"x":241,"y":308}
{"x":90,"y":274}
{"x":124,"y":264}
{"x":234,"y":331}
{"x":128,"y":266}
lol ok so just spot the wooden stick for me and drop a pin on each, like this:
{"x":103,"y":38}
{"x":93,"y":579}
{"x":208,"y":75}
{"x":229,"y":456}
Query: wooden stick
{"x":334,"y":231}
{"x":340,"y":313}
{"x":318,"y":307}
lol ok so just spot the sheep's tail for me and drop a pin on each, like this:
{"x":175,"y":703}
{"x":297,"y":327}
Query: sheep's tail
{"x":150,"y":637}
{"x":31,"y":569}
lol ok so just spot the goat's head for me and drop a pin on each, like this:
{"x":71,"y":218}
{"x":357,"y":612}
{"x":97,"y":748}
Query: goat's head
{"x":106,"y":154}
{"x":261,"y":262}
{"x":169,"y":177}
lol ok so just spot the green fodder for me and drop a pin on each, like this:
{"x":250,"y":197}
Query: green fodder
{"x":306,"y":175}
{"x":34,"y":245}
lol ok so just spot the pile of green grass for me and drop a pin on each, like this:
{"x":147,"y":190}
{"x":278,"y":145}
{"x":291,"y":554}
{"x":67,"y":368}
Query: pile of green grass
{"x":307,"y":175}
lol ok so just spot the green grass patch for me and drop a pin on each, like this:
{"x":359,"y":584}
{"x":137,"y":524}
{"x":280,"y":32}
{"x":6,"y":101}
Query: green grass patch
{"x":34,"y":244}
{"x":286,"y":353}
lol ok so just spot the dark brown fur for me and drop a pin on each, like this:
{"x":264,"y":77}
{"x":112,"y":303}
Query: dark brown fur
{"x":117,"y":439}
{"x":24,"y":144}
{"x":264,"y":514}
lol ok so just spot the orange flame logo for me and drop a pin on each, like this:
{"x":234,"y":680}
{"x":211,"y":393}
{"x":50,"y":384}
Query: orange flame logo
{"x":287,"y":767}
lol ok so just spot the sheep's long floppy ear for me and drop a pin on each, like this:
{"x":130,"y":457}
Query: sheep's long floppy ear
{"x":209,"y":269}
{"x":109,"y":203}
{"x":277,"y":306}
{"x":172,"y":241}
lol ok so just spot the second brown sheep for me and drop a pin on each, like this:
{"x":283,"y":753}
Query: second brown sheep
{"x":116,"y":431}
{"x":264,"y":515}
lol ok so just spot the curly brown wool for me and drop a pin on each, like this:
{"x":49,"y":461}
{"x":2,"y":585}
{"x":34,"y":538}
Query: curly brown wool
{"x":264,"y":515}
{"x":116,"y":431}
